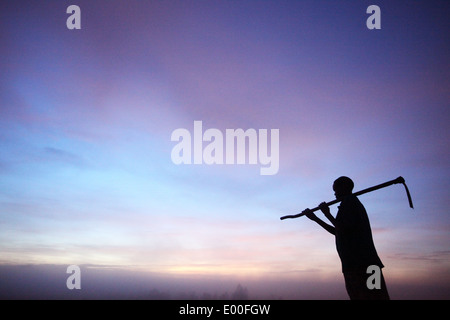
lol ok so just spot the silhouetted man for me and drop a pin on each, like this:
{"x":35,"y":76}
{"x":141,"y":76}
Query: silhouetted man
{"x":354,"y":241}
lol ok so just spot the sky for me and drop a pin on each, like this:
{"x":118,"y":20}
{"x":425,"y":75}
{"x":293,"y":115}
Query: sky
{"x":87,"y":116}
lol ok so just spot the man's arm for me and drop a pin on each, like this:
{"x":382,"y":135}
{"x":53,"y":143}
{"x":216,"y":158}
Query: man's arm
{"x":349,"y":219}
{"x":326,"y":211}
{"x":320,"y":222}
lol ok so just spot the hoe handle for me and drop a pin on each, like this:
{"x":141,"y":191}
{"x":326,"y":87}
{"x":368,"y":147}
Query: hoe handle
{"x":379,"y":186}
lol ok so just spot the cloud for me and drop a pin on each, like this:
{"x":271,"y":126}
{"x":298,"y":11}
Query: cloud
{"x":434,"y":257}
{"x":101,"y":281}
{"x":63,"y":156}
{"x":48,"y":281}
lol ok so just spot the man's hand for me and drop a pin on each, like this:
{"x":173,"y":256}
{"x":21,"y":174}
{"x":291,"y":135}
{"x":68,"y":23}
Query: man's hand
{"x":314,"y":218}
{"x":310,"y":214}
{"x":324,"y":208}
{"x":326,"y":211}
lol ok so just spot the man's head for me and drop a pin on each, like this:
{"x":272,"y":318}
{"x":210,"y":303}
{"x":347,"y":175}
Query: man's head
{"x":342,"y":187}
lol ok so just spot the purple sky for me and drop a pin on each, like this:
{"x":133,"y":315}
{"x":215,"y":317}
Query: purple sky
{"x":86,"y":175}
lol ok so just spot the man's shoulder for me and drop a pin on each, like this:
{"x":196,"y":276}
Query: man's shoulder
{"x":352,"y":204}
{"x":350,"y":200}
